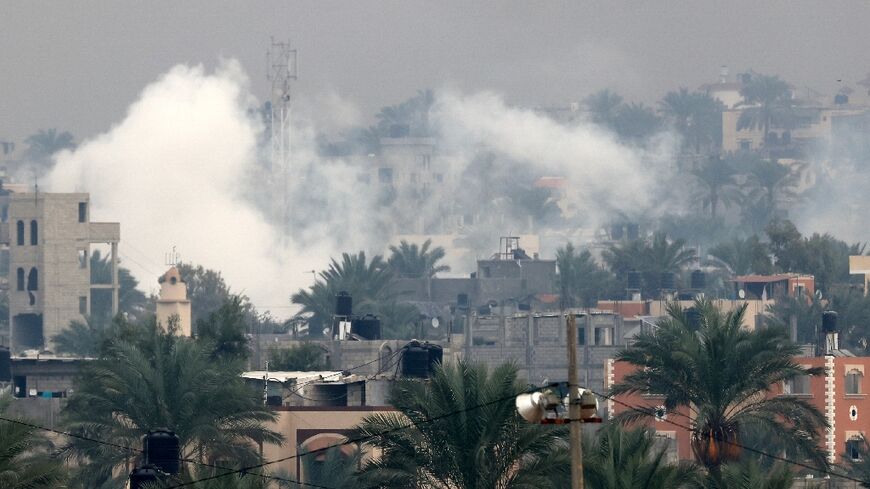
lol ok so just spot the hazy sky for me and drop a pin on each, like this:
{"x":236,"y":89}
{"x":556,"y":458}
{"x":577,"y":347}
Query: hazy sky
{"x":78,"y":65}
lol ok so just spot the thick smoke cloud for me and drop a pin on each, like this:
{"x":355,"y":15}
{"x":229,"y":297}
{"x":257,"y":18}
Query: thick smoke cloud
{"x":173,"y":172}
{"x":187,"y":167}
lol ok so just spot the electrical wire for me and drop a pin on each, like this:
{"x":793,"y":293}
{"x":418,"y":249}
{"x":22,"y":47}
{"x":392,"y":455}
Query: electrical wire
{"x":139,"y":450}
{"x":649,"y":412}
{"x":342,"y":396}
{"x":360,"y":439}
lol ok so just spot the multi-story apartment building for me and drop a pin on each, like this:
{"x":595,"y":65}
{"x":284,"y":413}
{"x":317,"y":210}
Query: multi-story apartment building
{"x":49,"y":238}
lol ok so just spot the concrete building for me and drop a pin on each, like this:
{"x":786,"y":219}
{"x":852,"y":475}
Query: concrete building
{"x":840,"y":394}
{"x":172,"y":302}
{"x":49,"y":236}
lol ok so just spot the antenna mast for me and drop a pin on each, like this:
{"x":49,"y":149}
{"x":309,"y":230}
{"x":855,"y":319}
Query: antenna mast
{"x":281,"y":71}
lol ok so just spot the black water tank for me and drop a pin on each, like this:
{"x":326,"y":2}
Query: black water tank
{"x":415,"y":361}
{"x":343,"y":304}
{"x":699,"y":279}
{"x":5,"y":365}
{"x":829,"y":321}
{"x":633,"y":231}
{"x":143,"y":475}
{"x":436,"y":355}
{"x":163,"y":450}
{"x":634,"y":279}
{"x":368,"y":327}
{"x":668,"y":280}
{"x":462,"y":301}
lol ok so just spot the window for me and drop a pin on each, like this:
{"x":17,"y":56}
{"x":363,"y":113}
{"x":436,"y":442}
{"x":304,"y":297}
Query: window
{"x":602,"y":336}
{"x":385,"y":175}
{"x":83,"y":212}
{"x":745,"y":145}
{"x":33,"y":279}
{"x":20,"y":230}
{"x":439,"y":178}
{"x":83,"y":304}
{"x":83,"y":259}
{"x":853,"y":381}
{"x":799,"y":385}
{"x":34,"y":233}
{"x":854,"y":447}
{"x":581,"y":335}
{"x":20,"y":277}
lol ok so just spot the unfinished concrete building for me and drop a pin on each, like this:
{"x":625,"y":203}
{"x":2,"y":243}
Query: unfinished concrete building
{"x":49,"y":238}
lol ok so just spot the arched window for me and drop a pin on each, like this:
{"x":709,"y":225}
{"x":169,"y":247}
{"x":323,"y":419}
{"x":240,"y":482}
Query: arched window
{"x":34,"y":233}
{"x":20,"y":230}
{"x":33,"y":279}
{"x":20,"y":279}
{"x":853,"y":381}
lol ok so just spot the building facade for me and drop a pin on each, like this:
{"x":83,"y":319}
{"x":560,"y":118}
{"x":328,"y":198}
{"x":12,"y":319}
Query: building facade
{"x":49,"y":238}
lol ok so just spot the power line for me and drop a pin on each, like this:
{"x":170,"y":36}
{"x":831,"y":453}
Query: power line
{"x":351,"y":441}
{"x":647,"y":412}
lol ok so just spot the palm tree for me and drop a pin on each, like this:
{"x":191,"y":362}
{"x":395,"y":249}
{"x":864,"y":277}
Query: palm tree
{"x":768,"y":182}
{"x":410,"y":261}
{"x":697,"y":116}
{"x":330,"y":468}
{"x":603,"y":106}
{"x":163,"y":381}
{"x":482,"y":444}
{"x":628,"y":459}
{"x":750,"y":475}
{"x":636,"y":122}
{"x":580,"y":278}
{"x":770,"y":98}
{"x":722,"y":373}
{"x":24,"y":459}
{"x":718,"y":184}
{"x":367,"y":282}
{"x":45,"y":143}
{"x":744,"y":256}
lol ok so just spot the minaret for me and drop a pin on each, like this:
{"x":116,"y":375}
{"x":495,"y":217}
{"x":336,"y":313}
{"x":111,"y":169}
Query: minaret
{"x":172,"y":301}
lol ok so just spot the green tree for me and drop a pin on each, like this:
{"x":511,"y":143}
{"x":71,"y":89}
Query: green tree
{"x":581,"y":280}
{"x":411,"y":261}
{"x":485,"y":445}
{"x":413,"y":113}
{"x":25,"y":459}
{"x":696,"y":116}
{"x":603,"y":106}
{"x":717,"y":183}
{"x":616,"y":458}
{"x":366,"y":281}
{"x":206,"y":290}
{"x":162,"y":381}
{"x":225,"y":329}
{"x":801,"y":314}
{"x":131,"y":300}
{"x":744,"y":256}
{"x":83,"y":338}
{"x":768,"y":183}
{"x":298,"y":358}
{"x":636,"y":122}
{"x":713,"y":367}
{"x":769,"y":100}
{"x":45,"y":143}
{"x":750,"y":475}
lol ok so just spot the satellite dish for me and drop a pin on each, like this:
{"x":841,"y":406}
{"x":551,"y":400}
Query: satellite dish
{"x":531,"y":407}
{"x":435,"y":323}
{"x":325,"y":331}
{"x":741,"y":294}
{"x":819,"y":294}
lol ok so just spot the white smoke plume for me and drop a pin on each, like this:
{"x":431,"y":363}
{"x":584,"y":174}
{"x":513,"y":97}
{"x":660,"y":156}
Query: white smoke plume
{"x":183,"y":168}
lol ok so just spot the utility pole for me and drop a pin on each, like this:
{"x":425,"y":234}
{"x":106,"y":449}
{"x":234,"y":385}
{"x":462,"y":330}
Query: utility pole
{"x":574,"y":406}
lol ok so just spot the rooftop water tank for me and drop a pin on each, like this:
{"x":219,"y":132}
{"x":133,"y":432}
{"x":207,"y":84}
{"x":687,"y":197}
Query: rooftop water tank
{"x":415,"y":361}
{"x":368,"y":327}
{"x":699,"y":279}
{"x":343,"y":304}
{"x":829,"y":321}
{"x":162,"y":450}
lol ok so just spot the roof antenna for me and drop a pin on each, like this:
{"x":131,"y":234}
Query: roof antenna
{"x":172,"y":258}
